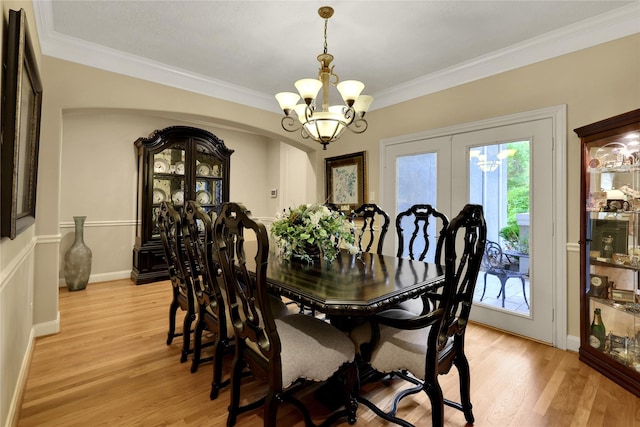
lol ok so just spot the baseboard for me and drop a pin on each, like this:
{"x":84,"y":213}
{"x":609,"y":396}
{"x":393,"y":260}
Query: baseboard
{"x":13,"y":414}
{"x":573,"y":343}
{"x":47,"y":328}
{"x":102,"y":277}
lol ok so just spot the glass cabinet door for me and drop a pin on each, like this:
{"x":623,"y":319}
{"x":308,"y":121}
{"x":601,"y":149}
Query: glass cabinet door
{"x":168,"y":181}
{"x":209,"y":178}
{"x":610,"y":249}
{"x":613,"y":207}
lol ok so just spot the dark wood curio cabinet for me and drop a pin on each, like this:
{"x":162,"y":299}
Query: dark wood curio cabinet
{"x":610,"y":248}
{"x":175,"y":164}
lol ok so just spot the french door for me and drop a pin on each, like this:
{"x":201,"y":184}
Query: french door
{"x":452,"y":167}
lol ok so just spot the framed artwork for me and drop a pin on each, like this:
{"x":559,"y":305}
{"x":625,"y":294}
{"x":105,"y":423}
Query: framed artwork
{"x":346,"y":180}
{"x":21,"y":113}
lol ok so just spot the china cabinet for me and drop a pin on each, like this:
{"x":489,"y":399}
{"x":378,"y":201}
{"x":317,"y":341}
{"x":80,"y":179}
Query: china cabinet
{"x":610,"y":248}
{"x":175,"y":164}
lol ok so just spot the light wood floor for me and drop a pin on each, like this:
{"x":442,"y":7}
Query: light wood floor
{"x":110,"y":366}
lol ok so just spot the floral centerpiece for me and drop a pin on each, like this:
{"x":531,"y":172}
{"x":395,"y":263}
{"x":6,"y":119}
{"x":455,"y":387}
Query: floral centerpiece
{"x":313,"y":230}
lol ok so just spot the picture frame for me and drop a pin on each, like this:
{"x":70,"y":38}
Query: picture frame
{"x":21,"y":116}
{"x":346,"y":181}
{"x":598,"y":286}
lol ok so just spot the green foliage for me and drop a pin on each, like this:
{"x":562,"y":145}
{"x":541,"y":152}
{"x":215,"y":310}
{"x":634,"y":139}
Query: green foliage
{"x":313,"y":225}
{"x":517,"y":196}
{"x":517,"y":181}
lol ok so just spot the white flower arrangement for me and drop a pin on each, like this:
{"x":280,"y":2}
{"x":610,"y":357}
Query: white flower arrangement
{"x":313,"y":226}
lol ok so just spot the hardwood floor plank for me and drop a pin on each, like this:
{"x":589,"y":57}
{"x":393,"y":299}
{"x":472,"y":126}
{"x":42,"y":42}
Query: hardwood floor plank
{"x":110,"y":366}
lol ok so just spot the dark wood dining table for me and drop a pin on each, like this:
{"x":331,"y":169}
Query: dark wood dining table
{"x":352,"y":285}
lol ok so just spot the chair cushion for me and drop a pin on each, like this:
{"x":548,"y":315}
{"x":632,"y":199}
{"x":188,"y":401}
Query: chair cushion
{"x":363,"y":334}
{"x":311,"y":348}
{"x":400,"y":349}
{"x":413,"y":305}
{"x":360,"y":335}
{"x":278,"y":307}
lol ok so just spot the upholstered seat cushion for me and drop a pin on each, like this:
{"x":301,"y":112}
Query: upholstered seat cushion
{"x":413,"y":305}
{"x":400,"y":349}
{"x":363,"y":334}
{"x":278,"y":307}
{"x":311,"y":348}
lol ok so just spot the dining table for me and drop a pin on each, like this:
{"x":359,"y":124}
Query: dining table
{"x":356,"y":285}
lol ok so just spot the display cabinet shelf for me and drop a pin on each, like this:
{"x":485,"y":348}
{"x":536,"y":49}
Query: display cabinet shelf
{"x":610,"y":248}
{"x":175,"y":164}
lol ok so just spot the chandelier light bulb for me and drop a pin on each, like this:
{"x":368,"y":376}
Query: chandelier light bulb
{"x":308,"y":89}
{"x":350,"y":90}
{"x":362,"y":104}
{"x":287,"y":100}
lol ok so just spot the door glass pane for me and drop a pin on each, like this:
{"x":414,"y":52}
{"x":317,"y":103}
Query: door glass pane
{"x":499,"y":181}
{"x":417,"y":184}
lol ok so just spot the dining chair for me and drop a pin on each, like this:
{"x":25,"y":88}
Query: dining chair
{"x":421,"y":230}
{"x":182,"y":286}
{"x":210,"y":297}
{"x":497,"y":263}
{"x":371,"y":226}
{"x":332,"y":206}
{"x":283,"y":352}
{"x":197,"y":229}
{"x":420,"y":348}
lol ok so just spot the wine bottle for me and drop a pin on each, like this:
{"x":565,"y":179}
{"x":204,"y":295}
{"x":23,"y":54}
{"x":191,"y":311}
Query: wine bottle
{"x":597,"y":337}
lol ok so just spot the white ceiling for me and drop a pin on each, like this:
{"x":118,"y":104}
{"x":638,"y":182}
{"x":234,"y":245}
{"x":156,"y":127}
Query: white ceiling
{"x":246,"y":51}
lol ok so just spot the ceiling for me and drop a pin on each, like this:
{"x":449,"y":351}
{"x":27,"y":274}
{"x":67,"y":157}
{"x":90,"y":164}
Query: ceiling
{"x":246,"y":51}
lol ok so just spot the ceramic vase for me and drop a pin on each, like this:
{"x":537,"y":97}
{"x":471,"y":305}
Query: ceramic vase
{"x":77,"y":260}
{"x":311,"y":254}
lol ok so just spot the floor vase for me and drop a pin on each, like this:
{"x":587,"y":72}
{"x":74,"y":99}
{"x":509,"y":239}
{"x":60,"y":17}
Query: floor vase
{"x":77,"y":260}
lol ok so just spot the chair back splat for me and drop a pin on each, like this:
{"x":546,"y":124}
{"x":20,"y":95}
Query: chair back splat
{"x":371,"y":225}
{"x":412,"y":228}
{"x":421,"y":231}
{"x":420,"y":348}
{"x":182,"y":285}
{"x":282,"y":351}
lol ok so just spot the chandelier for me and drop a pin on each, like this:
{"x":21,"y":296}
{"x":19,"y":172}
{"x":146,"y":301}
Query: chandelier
{"x":327,"y":123}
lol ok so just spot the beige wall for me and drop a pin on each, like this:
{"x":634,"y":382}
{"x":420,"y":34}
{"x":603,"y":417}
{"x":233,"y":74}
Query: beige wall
{"x":594,"y":83}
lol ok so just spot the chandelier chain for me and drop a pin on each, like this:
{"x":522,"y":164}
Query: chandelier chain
{"x":326,"y":21}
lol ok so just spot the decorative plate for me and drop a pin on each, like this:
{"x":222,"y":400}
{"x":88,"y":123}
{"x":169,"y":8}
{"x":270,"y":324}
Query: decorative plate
{"x":216,"y":171}
{"x":203,"y":169}
{"x":180,"y":168}
{"x":160,"y":166}
{"x":203,"y":197}
{"x":159,"y":196}
{"x":177,"y":197}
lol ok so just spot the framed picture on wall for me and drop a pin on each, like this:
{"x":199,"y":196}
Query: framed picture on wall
{"x":346,"y":180}
{"x":21,"y":111}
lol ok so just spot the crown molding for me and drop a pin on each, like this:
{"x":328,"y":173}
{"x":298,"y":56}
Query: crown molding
{"x":606,"y":27}
{"x":603,"y":28}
